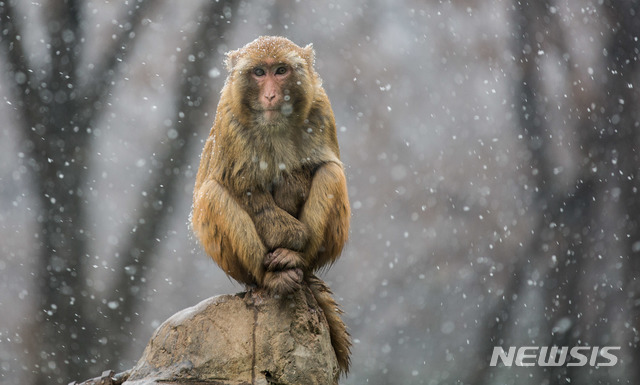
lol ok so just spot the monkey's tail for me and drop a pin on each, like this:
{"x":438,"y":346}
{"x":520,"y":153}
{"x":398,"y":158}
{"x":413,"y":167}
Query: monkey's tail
{"x":340,"y":338}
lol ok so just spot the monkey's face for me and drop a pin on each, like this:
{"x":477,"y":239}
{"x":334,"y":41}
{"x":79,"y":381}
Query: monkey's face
{"x":273,"y":83}
{"x":271,"y":100}
{"x":276,"y":94}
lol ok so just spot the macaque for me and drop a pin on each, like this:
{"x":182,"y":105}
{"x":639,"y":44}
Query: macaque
{"x":270,"y":203}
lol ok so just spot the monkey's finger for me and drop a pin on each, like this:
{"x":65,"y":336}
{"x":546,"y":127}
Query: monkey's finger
{"x":284,"y":259}
{"x":268,"y":259}
{"x":284,"y":282}
{"x":292,"y":279}
{"x":273,"y":260}
{"x":276,"y":260}
{"x":272,"y":263}
{"x":298,"y":274}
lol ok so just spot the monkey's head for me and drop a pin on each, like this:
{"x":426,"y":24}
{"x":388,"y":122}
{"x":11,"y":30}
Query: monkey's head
{"x":272,"y":83}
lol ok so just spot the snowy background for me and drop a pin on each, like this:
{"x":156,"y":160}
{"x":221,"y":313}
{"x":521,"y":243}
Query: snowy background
{"x":491,"y":151}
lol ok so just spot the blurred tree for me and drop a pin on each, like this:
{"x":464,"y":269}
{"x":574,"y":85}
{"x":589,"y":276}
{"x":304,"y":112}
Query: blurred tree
{"x":58,"y":102}
{"x":618,"y":127}
{"x":573,"y":228}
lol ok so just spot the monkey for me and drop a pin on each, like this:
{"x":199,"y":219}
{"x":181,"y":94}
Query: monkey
{"x":270,"y":202}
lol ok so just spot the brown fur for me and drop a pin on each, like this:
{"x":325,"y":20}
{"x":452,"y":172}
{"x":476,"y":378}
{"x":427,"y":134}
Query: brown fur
{"x":270,"y":202}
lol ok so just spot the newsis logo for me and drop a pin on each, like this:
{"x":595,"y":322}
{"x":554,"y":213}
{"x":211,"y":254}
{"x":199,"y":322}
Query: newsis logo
{"x":555,"y":356}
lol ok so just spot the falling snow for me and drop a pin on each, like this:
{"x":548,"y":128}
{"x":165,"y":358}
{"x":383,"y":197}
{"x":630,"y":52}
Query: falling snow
{"x":491,"y":151}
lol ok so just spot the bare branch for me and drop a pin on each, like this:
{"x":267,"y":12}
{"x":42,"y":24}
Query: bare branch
{"x":121,"y":47}
{"x":194,"y":96}
{"x":16,"y":61}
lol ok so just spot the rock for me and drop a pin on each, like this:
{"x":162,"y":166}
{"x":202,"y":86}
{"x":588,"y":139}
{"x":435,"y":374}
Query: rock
{"x":108,"y":377}
{"x":247,"y":338}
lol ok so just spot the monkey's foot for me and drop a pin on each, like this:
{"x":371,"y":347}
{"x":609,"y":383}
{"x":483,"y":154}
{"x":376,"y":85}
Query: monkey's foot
{"x":283,"y":281}
{"x":282,"y":259}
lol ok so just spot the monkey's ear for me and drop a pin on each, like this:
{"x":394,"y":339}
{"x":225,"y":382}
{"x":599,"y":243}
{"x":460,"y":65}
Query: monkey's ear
{"x":232,"y":59}
{"x":309,"y":55}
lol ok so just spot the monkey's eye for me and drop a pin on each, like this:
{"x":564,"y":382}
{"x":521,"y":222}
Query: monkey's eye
{"x":258,"y":72}
{"x":281,"y":70}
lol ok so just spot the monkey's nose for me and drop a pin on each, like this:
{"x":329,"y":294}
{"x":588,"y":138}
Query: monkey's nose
{"x":270,"y":97}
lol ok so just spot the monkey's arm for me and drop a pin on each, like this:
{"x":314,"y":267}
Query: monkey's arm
{"x":326,"y":214}
{"x":276,"y":227}
{"x":283,"y":235}
{"x":228,"y":233}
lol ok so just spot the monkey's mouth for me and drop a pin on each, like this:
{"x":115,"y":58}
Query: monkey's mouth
{"x":270,"y":113}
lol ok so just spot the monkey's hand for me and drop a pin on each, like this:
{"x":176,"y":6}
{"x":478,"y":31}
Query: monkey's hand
{"x":284,"y":271}
{"x":283,"y":259}
{"x":283,"y":281}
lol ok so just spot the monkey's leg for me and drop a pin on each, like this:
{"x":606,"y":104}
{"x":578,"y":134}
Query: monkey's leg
{"x":326,"y":214}
{"x":228,"y":233}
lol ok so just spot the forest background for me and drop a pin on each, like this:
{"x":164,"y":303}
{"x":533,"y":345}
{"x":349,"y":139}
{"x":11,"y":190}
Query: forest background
{"x":491,"y":150}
